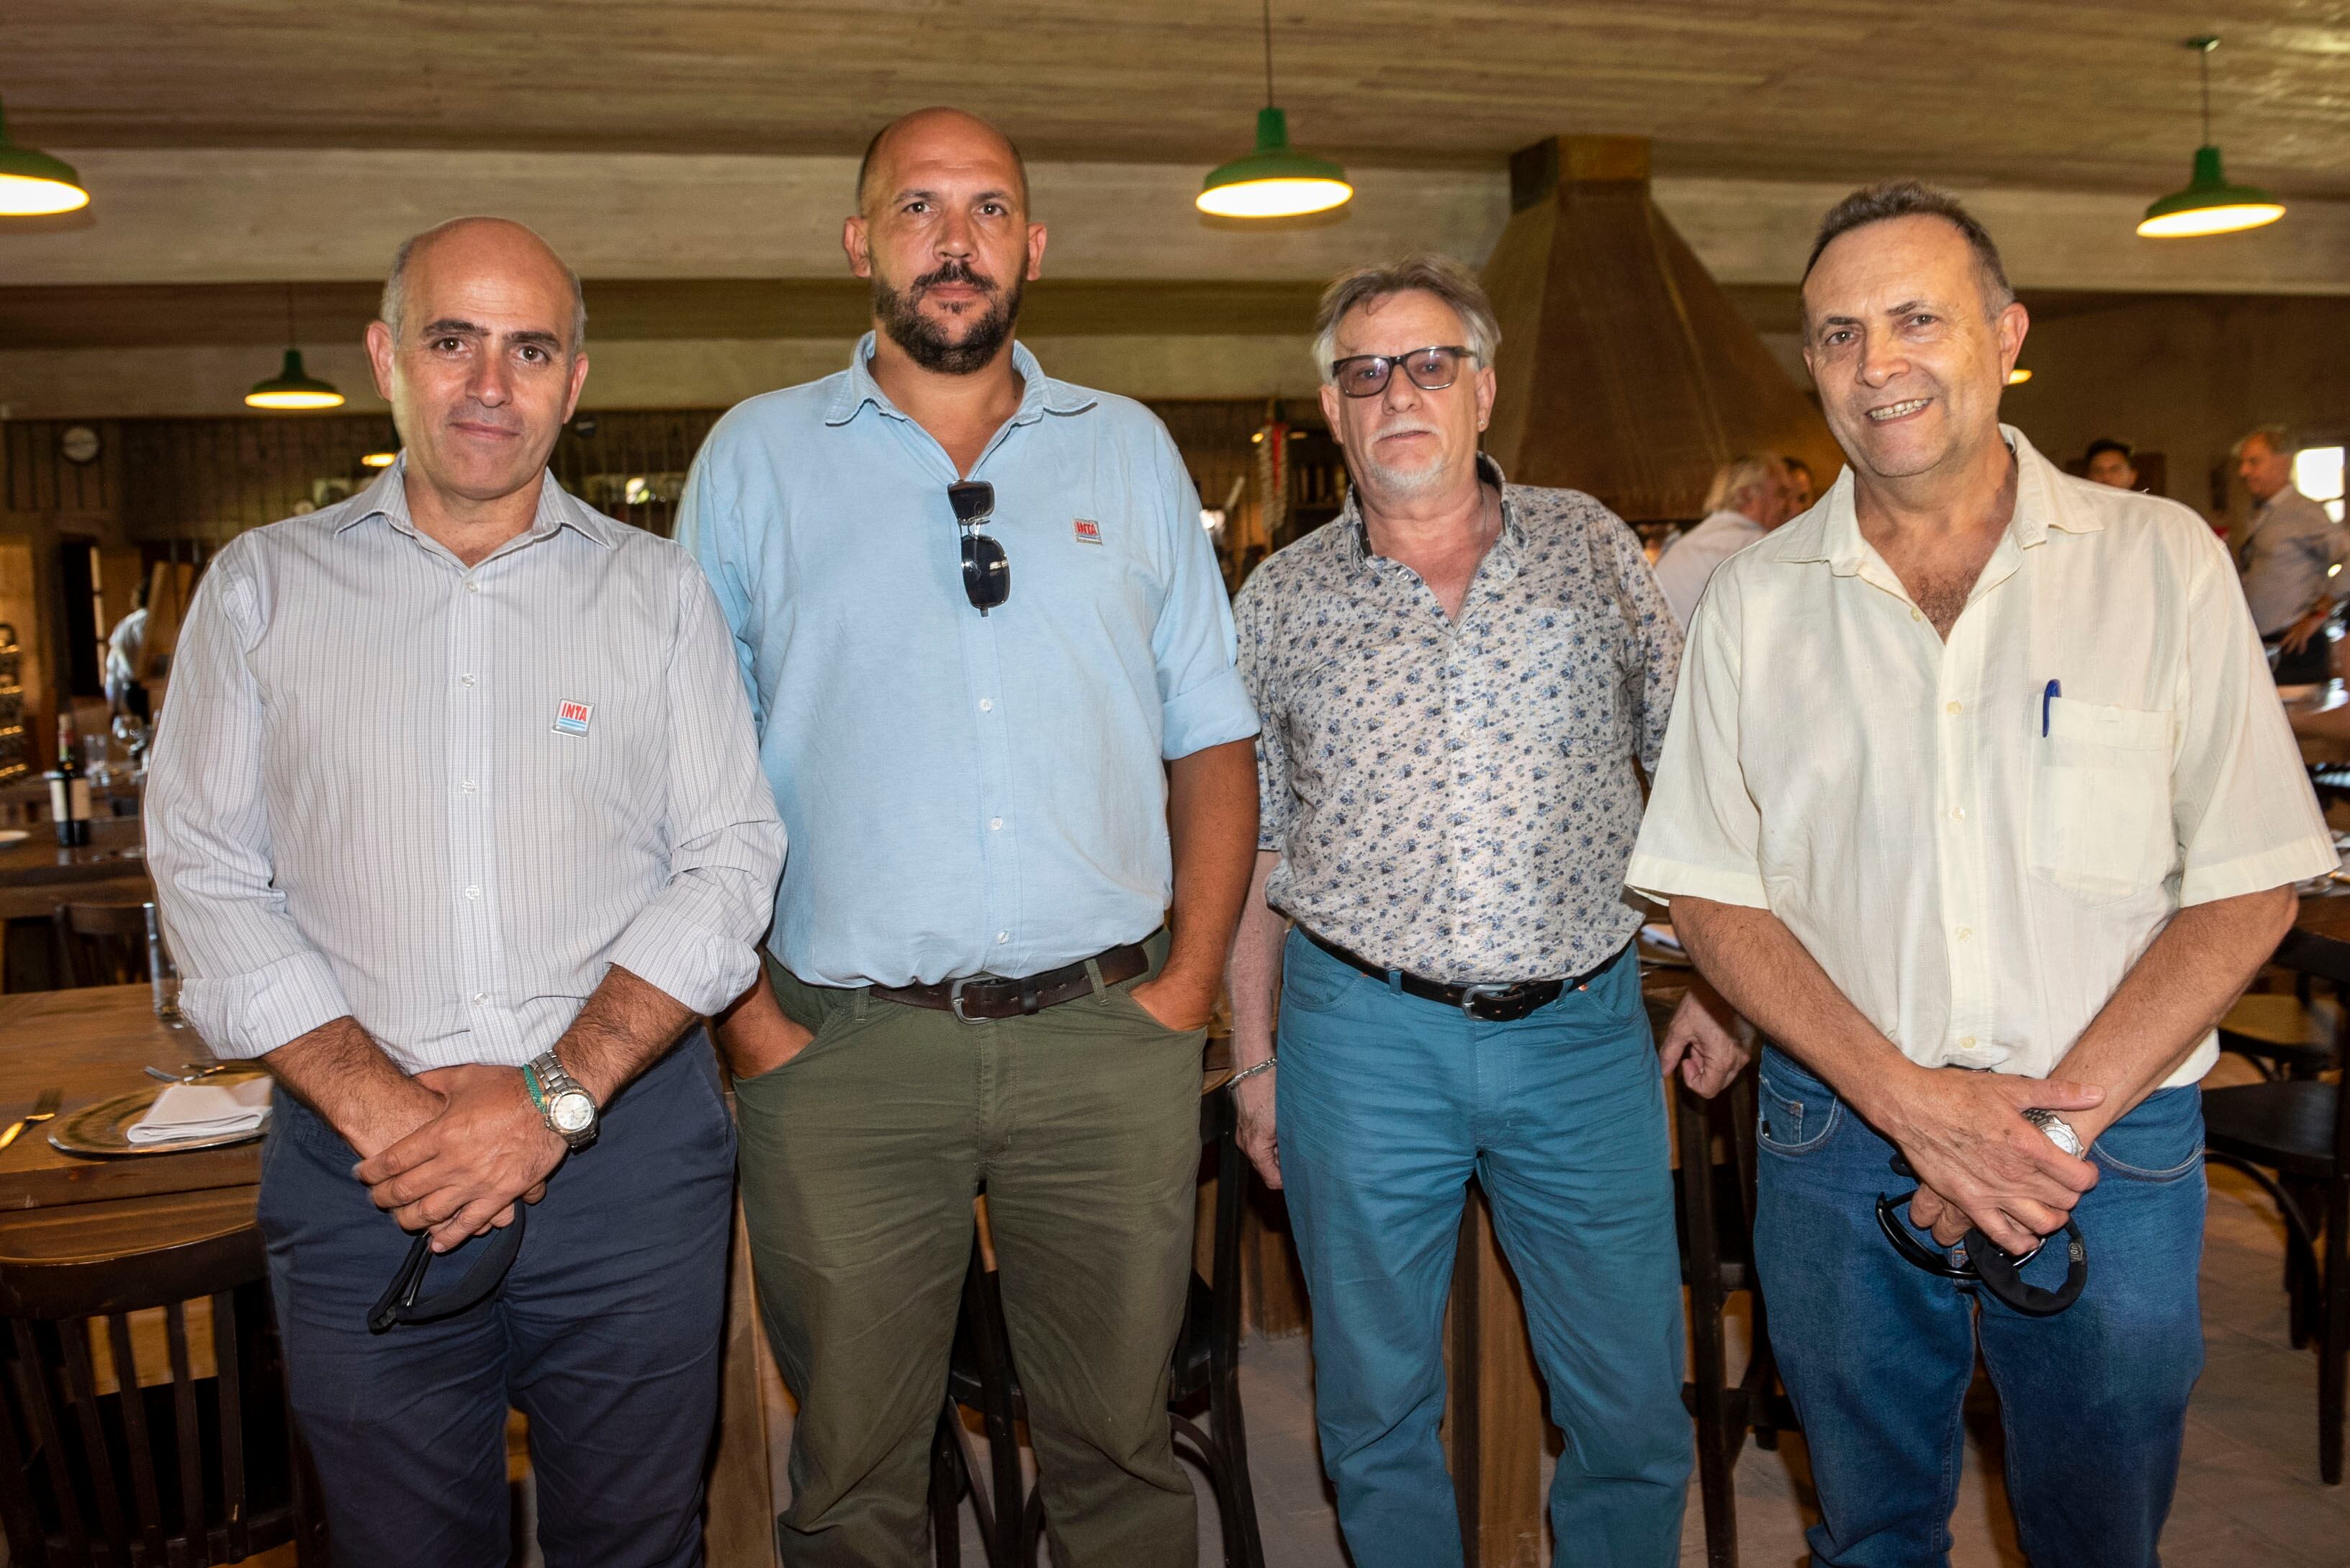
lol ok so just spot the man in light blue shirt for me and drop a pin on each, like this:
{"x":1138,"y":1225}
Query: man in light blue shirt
{"x":991,"y":665}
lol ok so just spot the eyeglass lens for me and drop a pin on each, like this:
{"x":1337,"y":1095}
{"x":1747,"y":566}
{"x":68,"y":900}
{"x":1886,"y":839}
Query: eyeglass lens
{"x":986,"y":570}
{"x":1431,"y":369}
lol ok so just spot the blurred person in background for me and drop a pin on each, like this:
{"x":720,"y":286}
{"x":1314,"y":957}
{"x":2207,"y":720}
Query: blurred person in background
{"x":2290,"y":553}
{"x":1752,"y":495}
{"x":2113,"y":462}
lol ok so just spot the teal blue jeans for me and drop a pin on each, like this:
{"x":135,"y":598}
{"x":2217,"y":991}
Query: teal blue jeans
{"x":1386,"y":1105}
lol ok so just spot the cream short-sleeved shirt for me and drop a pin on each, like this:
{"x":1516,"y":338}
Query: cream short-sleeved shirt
{"x":1975,"y":861}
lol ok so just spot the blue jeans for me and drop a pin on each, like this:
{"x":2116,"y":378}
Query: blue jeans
{"x":1878,"y":1353}
{"x":1387,"y":1104}
{"x":607,"y":1333}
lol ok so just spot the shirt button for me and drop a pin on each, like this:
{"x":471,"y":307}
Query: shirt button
{"x":468,"y":786}
{"x":472,"y":892}
{"x":1968,"y":1043}
{"x":1915,"y":615}
{"x":1965,"y":934}
{"x":464,"y":680}
{"x":480,"y":997}
{"x":472,"y":586}
{"x":994,"y":823}
{"x":1003,"y":937}
{"x":987,"y":704}
{"x":1952,"y":708}
{"x":1957,"y":814}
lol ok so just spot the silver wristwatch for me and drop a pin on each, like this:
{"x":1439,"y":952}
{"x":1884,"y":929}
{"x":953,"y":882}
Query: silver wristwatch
{"x":2060,"y":1131}
{"x":570,"y":1111}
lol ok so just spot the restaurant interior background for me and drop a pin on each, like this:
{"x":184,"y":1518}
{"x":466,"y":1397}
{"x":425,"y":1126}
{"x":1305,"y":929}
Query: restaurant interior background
{"x":1639,"y":182}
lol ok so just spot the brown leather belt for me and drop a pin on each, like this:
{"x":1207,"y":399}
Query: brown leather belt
{"x":977,"y":998}
{"x":1489,"y":1003}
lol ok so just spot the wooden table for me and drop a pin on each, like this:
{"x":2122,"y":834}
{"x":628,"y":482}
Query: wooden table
{"x":92,"y":1043}
{"x":38,"y":874}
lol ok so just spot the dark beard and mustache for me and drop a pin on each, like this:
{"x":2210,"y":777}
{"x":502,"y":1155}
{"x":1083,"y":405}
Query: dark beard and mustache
{"x":925,"y":342}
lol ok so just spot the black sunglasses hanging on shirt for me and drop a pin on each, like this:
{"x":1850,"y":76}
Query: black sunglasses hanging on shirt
{"x":986,"y":570}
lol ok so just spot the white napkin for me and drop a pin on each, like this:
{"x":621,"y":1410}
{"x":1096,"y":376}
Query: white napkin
{"x":204,"y":1110}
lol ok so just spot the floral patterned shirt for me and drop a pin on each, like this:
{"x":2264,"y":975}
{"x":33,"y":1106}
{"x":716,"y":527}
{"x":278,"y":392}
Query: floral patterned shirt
{"x":1459,"y":799}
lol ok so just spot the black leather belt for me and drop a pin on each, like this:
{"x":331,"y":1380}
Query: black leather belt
{"x":979,"y":997}
{"x":1490,"y":1003}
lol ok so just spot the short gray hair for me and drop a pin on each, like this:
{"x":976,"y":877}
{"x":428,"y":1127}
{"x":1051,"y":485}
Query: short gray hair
{"x":1441,"y":276}
{"x":2278,"y":437}
{"x":389,"y":309}
{"x":1747,"y":471}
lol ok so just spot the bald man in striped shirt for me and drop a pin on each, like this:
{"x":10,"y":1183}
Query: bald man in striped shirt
{"x":457,"y":819}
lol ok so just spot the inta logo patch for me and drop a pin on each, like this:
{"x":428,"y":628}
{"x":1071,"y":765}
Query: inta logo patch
{"x":571,"y":717}
{"x":1088,"y":531}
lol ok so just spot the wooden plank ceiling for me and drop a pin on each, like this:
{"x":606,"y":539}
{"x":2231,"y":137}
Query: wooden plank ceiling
{"x":2031,"y":92}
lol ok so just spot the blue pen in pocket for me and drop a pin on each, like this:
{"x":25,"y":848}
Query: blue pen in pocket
{"x":2055,"y":690}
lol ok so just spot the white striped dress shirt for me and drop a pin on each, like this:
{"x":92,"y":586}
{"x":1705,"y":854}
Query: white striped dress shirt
{"x":444,"y":800}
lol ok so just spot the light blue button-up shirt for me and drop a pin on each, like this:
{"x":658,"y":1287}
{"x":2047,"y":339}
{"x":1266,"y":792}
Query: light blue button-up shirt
{"x":964,"y":794}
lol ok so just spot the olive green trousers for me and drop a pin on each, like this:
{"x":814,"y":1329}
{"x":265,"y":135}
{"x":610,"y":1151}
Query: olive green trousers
{"x":859,"y":1160}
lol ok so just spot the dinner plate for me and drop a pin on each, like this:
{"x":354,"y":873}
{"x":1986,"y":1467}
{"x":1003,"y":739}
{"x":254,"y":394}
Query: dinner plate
{"x":102,"y":1131}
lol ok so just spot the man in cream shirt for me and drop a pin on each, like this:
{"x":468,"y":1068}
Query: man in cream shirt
{"x":1978,"y":800}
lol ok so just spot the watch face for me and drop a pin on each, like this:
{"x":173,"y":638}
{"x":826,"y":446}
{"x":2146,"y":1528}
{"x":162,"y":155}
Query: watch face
{"x":573,"y":1112}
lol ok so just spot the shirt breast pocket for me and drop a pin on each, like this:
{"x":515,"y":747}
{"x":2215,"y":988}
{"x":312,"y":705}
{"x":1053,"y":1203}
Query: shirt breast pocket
{"x":2100,"y":825}
{"x":1576,"y":678}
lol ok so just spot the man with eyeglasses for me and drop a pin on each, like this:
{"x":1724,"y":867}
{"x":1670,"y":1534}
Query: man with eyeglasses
{"x":1456,"y":676}
{"x":991,"y":665}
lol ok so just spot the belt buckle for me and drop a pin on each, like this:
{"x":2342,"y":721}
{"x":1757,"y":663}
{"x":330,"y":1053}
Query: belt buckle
{"x":1471,"y":995}
{"x":954,"y":998}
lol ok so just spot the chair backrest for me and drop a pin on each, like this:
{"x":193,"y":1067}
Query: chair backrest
{"x":98,"y":1467}
{"x":100,"y":944}
{"x":2328,"y":959}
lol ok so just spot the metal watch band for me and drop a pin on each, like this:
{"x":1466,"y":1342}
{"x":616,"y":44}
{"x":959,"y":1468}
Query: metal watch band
{"x":553,"y":1084}
{"x":1266,"y":1066}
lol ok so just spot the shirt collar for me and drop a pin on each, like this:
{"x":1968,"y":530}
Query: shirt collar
{"x":1358,"y":535}
{"x":1039,"y":394}
{"x":1830,"y":531}
{"x":388,"y":498}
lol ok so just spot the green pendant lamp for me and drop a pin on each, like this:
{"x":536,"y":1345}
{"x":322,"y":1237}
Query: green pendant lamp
{"x":34,"y":184}
{"x":1276,"y":180}
{"x":293,"y":387}
{"x":2209,"y":206}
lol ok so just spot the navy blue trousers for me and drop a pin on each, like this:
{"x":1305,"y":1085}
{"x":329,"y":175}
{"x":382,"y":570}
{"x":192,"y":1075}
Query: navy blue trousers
{"x":607,"y":1333}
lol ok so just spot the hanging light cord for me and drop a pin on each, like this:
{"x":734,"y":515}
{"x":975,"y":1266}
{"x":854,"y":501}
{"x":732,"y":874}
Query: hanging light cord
{"x":2202,"y":54}
{"x":290,"y":341}
{"x":1268,"y":61}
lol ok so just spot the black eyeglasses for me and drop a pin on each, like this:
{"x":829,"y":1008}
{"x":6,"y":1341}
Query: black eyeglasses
{"x":986,"y":571}
{"x":1431,"y":369}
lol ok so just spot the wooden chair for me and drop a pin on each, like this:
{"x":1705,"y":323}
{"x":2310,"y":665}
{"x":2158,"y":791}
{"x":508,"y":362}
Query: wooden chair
{"x":1205,"y":1374}
{"x":98,"y":1470}
{"x":1714,"y":1204}
{"x":2284,"y":1034}
{"x":2292,"y":1137}
{"x":100,"y":944}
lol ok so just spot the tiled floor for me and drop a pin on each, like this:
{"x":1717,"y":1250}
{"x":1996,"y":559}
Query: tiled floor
{"x":2248,"y":1494}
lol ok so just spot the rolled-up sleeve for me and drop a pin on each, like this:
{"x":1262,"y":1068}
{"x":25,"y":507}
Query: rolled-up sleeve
{"x":697,"y":939}
{"x":1193,"y":644}
{"x":2240,"y":801}
{"x":250,"y":980}
{"x":1702,"y":836}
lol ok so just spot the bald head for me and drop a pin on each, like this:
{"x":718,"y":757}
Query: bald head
{"x":935,"y":136}
{"x":497,"y":246}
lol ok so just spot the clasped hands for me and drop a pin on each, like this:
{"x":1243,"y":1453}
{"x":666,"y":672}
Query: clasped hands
{"x":1980,"y":1163}
{"x":456,"y":1150}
